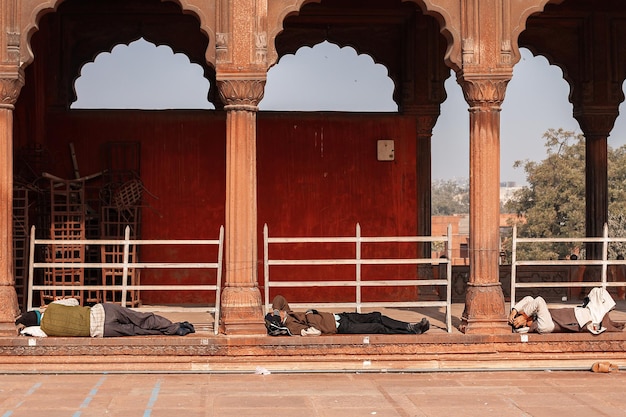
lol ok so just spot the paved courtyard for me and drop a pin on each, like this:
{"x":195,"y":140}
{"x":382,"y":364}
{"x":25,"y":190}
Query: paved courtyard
{"x":445,"y":394}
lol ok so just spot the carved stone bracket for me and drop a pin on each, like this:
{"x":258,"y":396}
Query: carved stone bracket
{"x":221,"y":47}
{"x":241,"y":93}
{"x":10,"y":88}
{"x":484,"y":91}
{"x":596,"y":120}
{"x":13,"y":47}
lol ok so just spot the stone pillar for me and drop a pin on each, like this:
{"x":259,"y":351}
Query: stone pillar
{"x":596,"y":123}
{"x":484,"y":303}
{"x":241,"y":309}
{"x":426,"y":118}
{"x":9,"y":91}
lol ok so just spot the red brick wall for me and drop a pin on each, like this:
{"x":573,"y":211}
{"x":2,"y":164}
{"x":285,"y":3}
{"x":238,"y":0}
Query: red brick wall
{"x":318,"y":175}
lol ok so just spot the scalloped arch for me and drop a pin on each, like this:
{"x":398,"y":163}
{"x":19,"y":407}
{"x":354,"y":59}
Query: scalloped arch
{"x":292,"y":9}
{"x":449,"y":28}
{"x":552,"y":61}
{"x":442,"y":16}
{"x":516,"y":30}
{"x":30,"y":25}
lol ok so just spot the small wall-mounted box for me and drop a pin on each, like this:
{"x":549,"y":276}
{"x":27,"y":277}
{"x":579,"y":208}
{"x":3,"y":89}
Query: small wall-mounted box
{"x":386,"y":150}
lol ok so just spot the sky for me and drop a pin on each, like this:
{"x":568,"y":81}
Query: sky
{"x":326,"y":77}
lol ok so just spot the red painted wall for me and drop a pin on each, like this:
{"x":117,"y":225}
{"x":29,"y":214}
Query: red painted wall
{"x":318,"y":175}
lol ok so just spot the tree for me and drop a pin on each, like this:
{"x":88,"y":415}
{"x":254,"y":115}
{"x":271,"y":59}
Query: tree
{"x":553,"y":205}
{"x":449,"y":197}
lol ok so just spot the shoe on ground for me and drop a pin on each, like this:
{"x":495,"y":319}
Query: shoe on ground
{"x":182,"y":331}
{"x":311,"y":331}
{"x":421,"y":327}
{"x":189,"y":326}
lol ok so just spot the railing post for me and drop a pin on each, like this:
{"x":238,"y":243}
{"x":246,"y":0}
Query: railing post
{"x":605,"y":253}
{"x":358,"y":268}
{"x":125,"y":267}
{"x":513,"y":261}
{"x":31,"y":269}
{"x":449,"y":281}
{"x":266,"y":266}
{"x":218,"y":282}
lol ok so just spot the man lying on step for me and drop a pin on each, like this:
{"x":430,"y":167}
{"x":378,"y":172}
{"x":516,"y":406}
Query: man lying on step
{"x":66,"y":318}
{"x":533,"y":315}
{"x":283,"y":320}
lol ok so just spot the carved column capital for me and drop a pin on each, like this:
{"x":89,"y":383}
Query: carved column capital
{"x":596,"y":121}
{"x":426,"y":117}
{"x":484,"y":91}
{"x":241,"y":93}
{"x":10,"y":87}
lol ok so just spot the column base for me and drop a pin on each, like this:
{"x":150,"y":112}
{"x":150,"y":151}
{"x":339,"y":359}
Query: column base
{"x":484,"y":310}
{"x":242,"y":312}
{"x":9,"y":310}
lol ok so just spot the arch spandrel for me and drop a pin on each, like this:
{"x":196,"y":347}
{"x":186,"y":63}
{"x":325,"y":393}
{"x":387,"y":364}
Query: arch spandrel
{"x":520,"y":12}
{"x":448,"y":15}
{"x":449,"y":22}
{"x":32,"y":11}
{"x":277,"y":12}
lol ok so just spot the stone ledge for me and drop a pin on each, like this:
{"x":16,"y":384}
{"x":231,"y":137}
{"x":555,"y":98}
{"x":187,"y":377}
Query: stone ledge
{"x":383,"y":353}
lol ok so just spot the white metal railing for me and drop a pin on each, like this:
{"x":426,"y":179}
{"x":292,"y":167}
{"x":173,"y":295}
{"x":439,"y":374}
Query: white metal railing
{"x":125,"y":266}
{"x":358,"y":261}
{"x":604,"y":262}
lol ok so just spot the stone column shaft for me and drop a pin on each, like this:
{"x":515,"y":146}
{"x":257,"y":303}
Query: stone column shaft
{"x":484,"y":305}
{"x":242,"y":307}
{"x":596,"y":123}
{"x":9,"y":91}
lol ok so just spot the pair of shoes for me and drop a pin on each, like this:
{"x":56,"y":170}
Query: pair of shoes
{"x":421,"y":327}
{"x":523,"y":329}
{"x":188,"y":325}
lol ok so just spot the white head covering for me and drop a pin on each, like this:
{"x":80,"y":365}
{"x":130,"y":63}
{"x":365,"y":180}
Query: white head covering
{"x":600,"y":303}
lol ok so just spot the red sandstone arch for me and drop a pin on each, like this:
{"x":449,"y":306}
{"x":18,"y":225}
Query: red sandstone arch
{"x":277,"y":17}
{"x":86,"y":33}
{"x":30,"y":24}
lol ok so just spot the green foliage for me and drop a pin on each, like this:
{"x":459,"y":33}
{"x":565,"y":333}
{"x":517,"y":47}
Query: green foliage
{"x":449,"y":197}
{"x":553,"y":205}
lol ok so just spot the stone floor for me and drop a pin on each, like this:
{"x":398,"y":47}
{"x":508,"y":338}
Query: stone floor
{"x":431,"y":394}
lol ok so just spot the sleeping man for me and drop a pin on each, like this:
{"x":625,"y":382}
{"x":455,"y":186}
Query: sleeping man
{"x":533,"y":315}
{"x":67,"y":318}
{"x":314,"y":323}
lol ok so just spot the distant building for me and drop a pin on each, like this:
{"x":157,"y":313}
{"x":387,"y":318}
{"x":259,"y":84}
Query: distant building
{"x":460,"y":234}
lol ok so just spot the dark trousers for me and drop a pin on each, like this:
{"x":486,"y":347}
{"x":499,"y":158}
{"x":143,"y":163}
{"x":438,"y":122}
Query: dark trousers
{"x":369,"y":323}
{"x":122,"y":321}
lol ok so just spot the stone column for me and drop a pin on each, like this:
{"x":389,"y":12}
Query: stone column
{"x":426,"y":118}
{"x":241,"y":309}
{"x":596,"y":123}
{"x":484,"y":303}
{"x":9,"y":91}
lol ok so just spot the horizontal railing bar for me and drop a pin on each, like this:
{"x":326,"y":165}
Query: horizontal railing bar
{"x":78,"y":242}
{"x":118,"y":265}
{"x":71,"y":287}
{"x":353,"y":261}
{"x":567,"y":284}
{"x":353,"y":304}
{"x":348,"y":239}
{"x":390,"y":283}
{"x":561,"y":262}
